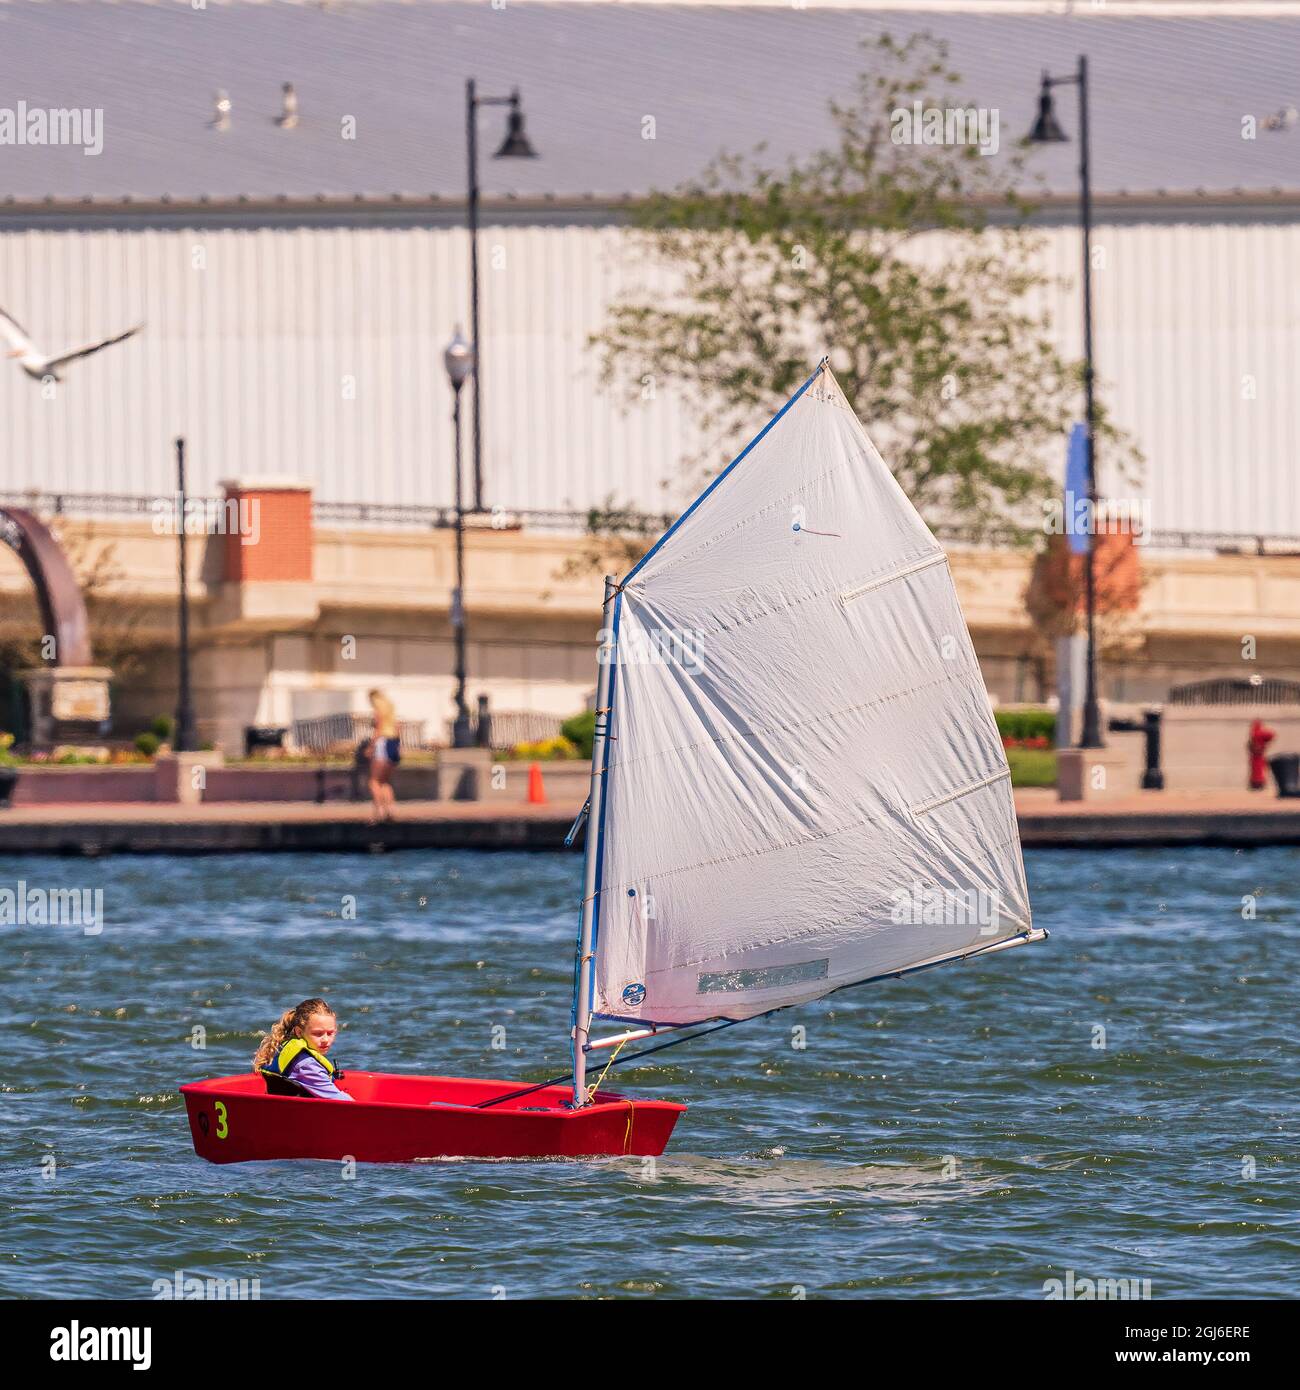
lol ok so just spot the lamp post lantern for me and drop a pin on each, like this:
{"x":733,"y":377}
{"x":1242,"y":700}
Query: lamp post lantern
{"x":516,"y":145}
{"x":459,"y":361}
{"x":1047,"y":130}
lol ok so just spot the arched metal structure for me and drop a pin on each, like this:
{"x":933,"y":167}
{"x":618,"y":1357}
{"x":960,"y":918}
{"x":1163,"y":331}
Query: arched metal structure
{"x":63,"y":610}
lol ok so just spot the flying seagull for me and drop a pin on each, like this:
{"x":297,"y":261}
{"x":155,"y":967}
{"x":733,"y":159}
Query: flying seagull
{"x":34,"y":362}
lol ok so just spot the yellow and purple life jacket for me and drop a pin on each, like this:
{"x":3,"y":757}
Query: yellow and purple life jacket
{"x":277,"y":1072}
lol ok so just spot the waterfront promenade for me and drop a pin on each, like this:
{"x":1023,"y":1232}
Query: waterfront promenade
{"x":1151,"y":818}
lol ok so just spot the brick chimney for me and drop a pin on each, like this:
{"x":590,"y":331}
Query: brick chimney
{"x":268,"y":531}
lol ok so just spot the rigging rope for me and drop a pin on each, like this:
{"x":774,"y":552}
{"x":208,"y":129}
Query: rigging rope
{"x":591,"y":1092}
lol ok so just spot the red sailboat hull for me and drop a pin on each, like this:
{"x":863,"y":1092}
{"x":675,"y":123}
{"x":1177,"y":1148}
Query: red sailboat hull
{"x":400,"y":1119}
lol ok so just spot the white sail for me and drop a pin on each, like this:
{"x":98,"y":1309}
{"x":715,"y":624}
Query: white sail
{"x":804,"y":786}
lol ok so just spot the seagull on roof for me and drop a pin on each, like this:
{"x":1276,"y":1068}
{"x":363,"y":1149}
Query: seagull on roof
{"x":39,"y":365}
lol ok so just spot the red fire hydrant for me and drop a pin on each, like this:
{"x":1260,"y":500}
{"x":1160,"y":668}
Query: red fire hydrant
{"x":1257,"y":745}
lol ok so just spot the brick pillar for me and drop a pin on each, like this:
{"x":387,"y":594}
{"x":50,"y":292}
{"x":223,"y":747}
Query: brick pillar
{"x":268,"y":532}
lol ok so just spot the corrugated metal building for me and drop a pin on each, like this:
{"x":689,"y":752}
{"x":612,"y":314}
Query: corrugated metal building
{"x":298,"y":286}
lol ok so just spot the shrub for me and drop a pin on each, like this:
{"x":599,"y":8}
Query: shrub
{"x":147,"y":743}
{"x":161,"y":727}
{"x":581,"y":729}
{"x":1022,"y":724}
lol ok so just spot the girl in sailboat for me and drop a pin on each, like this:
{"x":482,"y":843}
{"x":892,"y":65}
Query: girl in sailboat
{"x":292,"y":1055}
{"x":385,"y":754}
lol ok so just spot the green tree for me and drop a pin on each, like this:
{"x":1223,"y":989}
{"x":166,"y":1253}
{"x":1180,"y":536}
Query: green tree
{"x":886,"y":254}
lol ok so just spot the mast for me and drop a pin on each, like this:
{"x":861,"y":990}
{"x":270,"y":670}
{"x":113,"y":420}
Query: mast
{"x":583,"y":972}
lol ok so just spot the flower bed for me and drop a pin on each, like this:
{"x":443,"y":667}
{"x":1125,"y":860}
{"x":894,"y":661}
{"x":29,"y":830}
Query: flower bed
{"x":545,"y":750}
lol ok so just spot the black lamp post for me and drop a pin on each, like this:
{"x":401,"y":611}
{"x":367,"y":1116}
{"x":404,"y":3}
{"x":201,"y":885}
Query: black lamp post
{"x":1047,"y":131}
{"x":515,"y":146}
{"x":183,"y":739}
{"x":459,"y":361}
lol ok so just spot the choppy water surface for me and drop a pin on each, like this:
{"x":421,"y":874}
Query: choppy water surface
{"x":956,"y":1133}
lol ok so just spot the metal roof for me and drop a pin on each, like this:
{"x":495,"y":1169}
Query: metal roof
{"x":1171,"y":86}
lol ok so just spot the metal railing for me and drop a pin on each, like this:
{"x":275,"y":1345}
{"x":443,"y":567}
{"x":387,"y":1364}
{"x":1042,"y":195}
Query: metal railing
{"x":327,"y":733}
{"x":399,"y":514}
{"x":324,"y":733}
{"x":510,"y":727}
{"x":82,"y":503}
{"x":421,"y":517}
{"x":1237,"y":690}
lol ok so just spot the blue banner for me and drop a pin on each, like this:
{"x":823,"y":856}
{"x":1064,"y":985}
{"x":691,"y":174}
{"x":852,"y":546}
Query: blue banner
{"x":1077,"y":519}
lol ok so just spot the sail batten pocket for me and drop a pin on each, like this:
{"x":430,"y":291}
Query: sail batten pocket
{"x":939,"y":558}
{"x":936,"y":802}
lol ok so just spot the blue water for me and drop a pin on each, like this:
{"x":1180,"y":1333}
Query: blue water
{"x":964,"y":1132}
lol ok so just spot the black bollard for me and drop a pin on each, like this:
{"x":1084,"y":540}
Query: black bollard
{"x":1286,"y":772}
{"x":1153,"y":780}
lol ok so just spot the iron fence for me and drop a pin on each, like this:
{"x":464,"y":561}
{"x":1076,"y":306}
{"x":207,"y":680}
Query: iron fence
{"x":324,"y":733}
{"x":420,"y":517}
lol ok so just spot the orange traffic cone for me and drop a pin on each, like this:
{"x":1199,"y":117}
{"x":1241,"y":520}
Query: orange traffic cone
{"x":536,"y":791}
